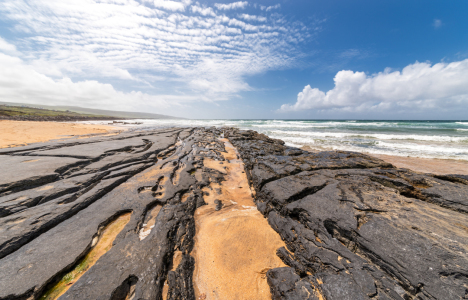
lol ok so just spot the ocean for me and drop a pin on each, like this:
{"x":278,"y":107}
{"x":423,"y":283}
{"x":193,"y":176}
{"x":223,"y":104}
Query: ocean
{"x":427,"y":139}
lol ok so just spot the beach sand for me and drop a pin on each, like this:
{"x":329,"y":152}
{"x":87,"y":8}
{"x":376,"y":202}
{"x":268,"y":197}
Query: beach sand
{"x":19,"y":133}
{"x":234,"y":246}
{"x":418,"y":164}
{"x":427,"y":165}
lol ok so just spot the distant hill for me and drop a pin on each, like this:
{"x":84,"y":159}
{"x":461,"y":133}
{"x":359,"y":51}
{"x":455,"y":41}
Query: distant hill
{"x":94,"y":112}
{"x":23,"y":113}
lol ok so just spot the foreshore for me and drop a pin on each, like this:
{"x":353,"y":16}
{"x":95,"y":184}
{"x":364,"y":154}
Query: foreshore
{"x":214,"y":214}
{"x":20,"y":133}
{"x":427,"y":165}
{"x":423,"y":165}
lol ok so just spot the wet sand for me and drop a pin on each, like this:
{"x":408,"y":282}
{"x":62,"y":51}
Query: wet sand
{"x":234,"y":246}
{"x":428,"y":165}
{"x":20,"y":133}
{"x":419,"y":164}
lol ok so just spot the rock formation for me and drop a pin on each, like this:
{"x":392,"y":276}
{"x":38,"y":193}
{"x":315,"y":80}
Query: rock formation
{"x":356,"y":227}
{"x":117,"y":217}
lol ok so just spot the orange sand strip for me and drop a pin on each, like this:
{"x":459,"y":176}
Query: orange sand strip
{"x":419,"y":164}
{"x":427,"y":165}
{"x":103,"y":245}
{"x":234,"y":247}
{"x":20,"y":133}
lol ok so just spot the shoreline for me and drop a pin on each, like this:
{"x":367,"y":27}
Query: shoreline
{"x":222,"y":214}
{"x":21,"y":133}
{"x":439,"y":166}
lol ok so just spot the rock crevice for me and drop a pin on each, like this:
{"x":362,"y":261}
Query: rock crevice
{"x":329,"y":225}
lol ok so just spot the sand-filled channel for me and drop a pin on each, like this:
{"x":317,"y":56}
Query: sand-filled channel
{"x":235,"y":246}
{"x":103,"y":245}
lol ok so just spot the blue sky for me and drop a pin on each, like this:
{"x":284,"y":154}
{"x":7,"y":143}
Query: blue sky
{"x":244,"y":59}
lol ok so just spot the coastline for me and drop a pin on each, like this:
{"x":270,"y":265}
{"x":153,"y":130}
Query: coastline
{"x":202,"y":208}
{"x":427,"y":165}
{"x":20,"y":133}
{"x":419,"y":164}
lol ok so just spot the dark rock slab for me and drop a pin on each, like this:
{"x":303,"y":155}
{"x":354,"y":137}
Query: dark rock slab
{"x":355,"y":226}
{"x":45,"y":240}
{"x":22,"y":172}
{"x":94,"y":150}
{"x":286,"y":284}
{"x":15,"y":202}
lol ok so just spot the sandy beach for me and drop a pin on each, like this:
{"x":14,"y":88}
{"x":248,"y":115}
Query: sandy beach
{"x":419,"y":164}
{"x":170,"y":213}
{"x":427,"y":165}
{"x":19,"y":133}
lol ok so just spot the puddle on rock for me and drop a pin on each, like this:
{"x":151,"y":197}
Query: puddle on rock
{"x":150,"y":220}
{"x":102,"y":245}
{"x":234,"y":245}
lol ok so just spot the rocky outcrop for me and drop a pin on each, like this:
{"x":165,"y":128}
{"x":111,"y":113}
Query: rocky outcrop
{"x":56,"y":199}
{"x":356,"y":227}
{"x":113,"y":217}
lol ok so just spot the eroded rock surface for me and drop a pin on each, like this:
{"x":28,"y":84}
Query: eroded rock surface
{"x":115,"y":217}
{"x":356,"y":227}
{"x":52,"y":217}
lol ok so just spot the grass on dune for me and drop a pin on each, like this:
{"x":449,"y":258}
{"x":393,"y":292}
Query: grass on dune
{"x":17,"y":111}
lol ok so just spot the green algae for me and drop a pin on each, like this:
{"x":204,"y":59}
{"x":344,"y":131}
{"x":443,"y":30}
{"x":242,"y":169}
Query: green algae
{"x":104,"y":244}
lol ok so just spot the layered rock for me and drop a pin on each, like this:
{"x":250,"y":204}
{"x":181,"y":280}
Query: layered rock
{"x":52,"y":217}
{"x":356,"y":227}
{"x":114,"y":217}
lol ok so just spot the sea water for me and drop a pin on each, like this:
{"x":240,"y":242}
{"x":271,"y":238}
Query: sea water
{"x":429,"y":139}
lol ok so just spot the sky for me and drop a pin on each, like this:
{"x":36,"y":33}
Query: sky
{"x":275,"y":59}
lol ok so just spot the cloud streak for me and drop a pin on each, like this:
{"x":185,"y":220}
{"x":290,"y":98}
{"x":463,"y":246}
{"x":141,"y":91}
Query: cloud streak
{"x":234,"y":5}
{"x":418,"y":86}
{"x":195,"y":49}
{"x":19,"y":82}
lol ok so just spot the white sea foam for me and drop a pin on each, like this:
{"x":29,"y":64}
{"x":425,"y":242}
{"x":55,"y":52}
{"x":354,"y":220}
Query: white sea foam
{"x":426,"y":152}
{"x":306,"y":124}
{"x":379,"y":136}
{"x":425,"y":148}
{"x":404,"y":138}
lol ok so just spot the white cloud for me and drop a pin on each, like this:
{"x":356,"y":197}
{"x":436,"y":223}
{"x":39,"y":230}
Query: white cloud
{"x":268,"y":8}
{"x":418,"y":86}
{"x":253,"y":18}
{"x":8,"y":48}
{"x":170,"y":5}
{"x":197,"y":50}
{"x":19,"y":82}
{"x":208,"y":11}
{"x":234,"y":5}
{"x":437,"y":23}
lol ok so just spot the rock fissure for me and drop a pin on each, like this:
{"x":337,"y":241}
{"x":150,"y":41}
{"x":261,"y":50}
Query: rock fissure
{"x":213,"y":206}
{"x":378,"y":230}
